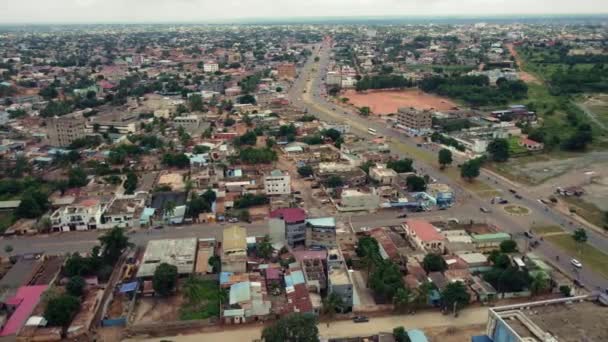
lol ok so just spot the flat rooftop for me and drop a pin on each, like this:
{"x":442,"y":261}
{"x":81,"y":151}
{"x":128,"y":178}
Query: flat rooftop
{"x":177,"y":252}
{"x":566,"y":320}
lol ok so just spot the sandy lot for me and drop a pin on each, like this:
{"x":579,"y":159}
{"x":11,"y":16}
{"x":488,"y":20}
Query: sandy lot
{"x":387,"y":102}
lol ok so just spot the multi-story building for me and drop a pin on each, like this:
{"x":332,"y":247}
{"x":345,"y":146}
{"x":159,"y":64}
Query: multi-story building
{"x":83,"y":215}
{"x":425,"y":236}
{"x":414,"y":119}
{"x":287,"y":70}
{"x":333,"y":78}
{"x":338,"y":278}
{"x":295,"y":224}
{"x":355,"y":200}
{"x":277,"y":183}
{"x":63,"y":130}
{"x":234,"y":249}
{"x":211,"y":66}
{"x":321,"y":232}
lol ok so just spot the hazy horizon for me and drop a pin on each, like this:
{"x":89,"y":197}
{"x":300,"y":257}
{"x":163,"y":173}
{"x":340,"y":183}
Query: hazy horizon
{"x":206,"y":11}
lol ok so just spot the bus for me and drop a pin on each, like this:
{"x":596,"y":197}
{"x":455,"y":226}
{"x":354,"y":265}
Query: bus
{"x":371,"y":131}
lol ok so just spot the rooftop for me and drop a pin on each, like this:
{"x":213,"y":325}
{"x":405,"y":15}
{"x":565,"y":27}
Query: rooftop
{"x":289,"y":215}
{"x":234,"y":238}
{"x":424,"y":230}
{"x":177,"y":252}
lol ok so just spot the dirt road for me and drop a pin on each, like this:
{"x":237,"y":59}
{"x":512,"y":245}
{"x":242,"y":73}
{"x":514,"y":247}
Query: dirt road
{"x":472,"y":316}
{"x":524,"y":76}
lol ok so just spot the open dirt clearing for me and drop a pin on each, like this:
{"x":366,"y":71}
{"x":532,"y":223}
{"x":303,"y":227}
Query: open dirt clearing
{"x":387,"y":102}
{"x":524,"y":76}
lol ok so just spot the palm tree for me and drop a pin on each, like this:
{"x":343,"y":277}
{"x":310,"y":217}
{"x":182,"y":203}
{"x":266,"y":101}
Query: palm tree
{"x":332,"y":304}
{"x":402,"y":299}
{"x":422,"y":294}
{"x":215,"y":262}
{"x":539,"y":283}
{"x":8,"y":249}
{"x":580,"y":236}
{"x":169,"y":208}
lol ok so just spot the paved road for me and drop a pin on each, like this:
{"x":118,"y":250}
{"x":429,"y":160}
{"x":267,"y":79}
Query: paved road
{"x":342,"y":329}
{"x":313,"y":100}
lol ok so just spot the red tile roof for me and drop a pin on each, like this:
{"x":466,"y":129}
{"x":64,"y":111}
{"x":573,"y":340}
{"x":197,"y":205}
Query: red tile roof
{"x":27,"y":297}
{"x":424,"y":230}
{"x":298,"y":300}
{"x":289,"y":215}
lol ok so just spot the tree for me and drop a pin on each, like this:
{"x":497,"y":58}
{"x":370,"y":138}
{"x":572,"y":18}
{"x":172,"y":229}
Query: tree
{"x":508,"y":246}
{"x":369,"y":252}
{"x":164,"y":280}
{"x":455,"y":294}
{"x":401,"y":335}
{"x":444,"y":157}
{"x":470,"y":169}
{"x":565,"y":290}
{"x":334,"y":181}
{"x":8,"y":249}
{"x":33,"y":205}
{"x":75,"y":286}
{"x":402,"y":299}
{"x":130,"y":183}
{"x":244,"y":216}
{"x":169,"y":208}
{"x":305,"y":171}
{"x":499,"y":150}
{"x":60,"y":310}
{"x":386,"y":279}
{"x":246,"y":99}
{"x":264,"y":248}
{"x":77,"y":178}
{"x":499,"y":260}
{"x":539,"y":283}
{"x":296,"y":327}
{"x":196,"y":103}
{"x":331,"y":304}
{"x":415,"y":183}
{"x":364,"y":111}
{"x":580,"y":236}
{"x":113,"y":244}
{"x":400,"y":166}
{"x":434,"y":263}
{"x":209,"y":196}
{"x":216,"y":263}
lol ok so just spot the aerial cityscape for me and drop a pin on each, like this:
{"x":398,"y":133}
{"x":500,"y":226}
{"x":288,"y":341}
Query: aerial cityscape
{"x":331,"y":170}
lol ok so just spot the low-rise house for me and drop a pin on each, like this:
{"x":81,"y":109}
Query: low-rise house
{"x":530,"y":144}
{"x":356,"y":200}
{"x":248,"y":302}
{"x":314,"y":274}
{"x":123,"y":212}
{"x":234,"y":250}
{"x":383,"y":175}
{"x":489,"y":242}
{"x":425,"y":236}
{"x":321,"y":232}
{"x":180,"y":253}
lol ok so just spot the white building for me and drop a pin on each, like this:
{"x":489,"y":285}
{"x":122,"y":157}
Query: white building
{"x":333,"y":78}
{"x":211,"y":66}
{"x":83,"y":215}
{"x":383,"y":175}
{"x":277,"y":183}
{"x":355,"y":200}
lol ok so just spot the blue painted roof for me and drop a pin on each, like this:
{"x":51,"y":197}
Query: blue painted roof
{"x":481,"y":338}
{"x":294,"y":278}
{"x":225,"y":277}
{"x":240,"y":292}
{"x":322,"y":222}
{"x":416,"y":335}
{"x":128,"y":287}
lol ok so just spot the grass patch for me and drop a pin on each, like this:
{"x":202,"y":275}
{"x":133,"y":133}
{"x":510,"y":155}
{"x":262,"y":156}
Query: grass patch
{"x":514,"y":147}
{"x":6,"y":220}
{"x":590,"y":256}
{"x":202,"y":299}
{"x":547,"y":229}
{"x":588,"y":211}
{"x":517,"y":209}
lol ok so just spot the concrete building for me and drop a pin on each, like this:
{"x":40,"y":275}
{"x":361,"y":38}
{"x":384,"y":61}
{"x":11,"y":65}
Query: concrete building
{"x":277,"y":183}
{"x":120,"y":122}
{"x":123,"y":212}
{"x":321,"y":232}
{"x":287,"y":71}
{"x":425,"y":236}
{"x":180,"y":253}
{"x":234,"y":250}
{"x":489,"y":242}
{"x":211,"y":66}
{"x":84,"y":215}
{"x":383,"y":175}
{"x":338,"y":278}
{"x":295,"y":224}
{"x":333,"y":78}
{"x":189,"y":122}
{"x":63,"y":130}
{"x":414,"y":119}
{"x":355,"y":200}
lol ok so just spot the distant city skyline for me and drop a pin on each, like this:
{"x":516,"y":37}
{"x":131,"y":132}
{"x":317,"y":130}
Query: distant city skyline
{"x":142,"y":11}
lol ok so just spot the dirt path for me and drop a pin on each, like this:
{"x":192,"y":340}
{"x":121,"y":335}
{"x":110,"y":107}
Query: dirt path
{"x":523,"y":75}
{"x":591,"y":115}
{"x":341,"y":329}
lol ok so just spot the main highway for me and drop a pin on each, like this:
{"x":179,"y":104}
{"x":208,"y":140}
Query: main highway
{"x":308,"y":93}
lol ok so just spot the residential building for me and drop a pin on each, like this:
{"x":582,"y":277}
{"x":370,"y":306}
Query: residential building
{"x":234,"y":249}
{"x":295,"y":224}
{"x":333,"y":78}
{"x":84,"y":215}
{"x":189,"y":122}
{"x":211,"y":66}
{"x":338,"y":278}
{"x":286,"y":71}
{"x":530,"y":144}
{"x":180,"y":253}
{"x":277,"y":183}
{"x":63,"y":130}
{"x":321,"y":232}
{"x":383,"y":175}
{"x":425,"y":236}
{"x":247,"y":302}
{"x":117,"y":122}
{"x":414,"y":119}
{"x":314,"y":274}
{"x":123,"y":212}
{"x":489,"y":242}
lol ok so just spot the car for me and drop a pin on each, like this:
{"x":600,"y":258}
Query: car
{"x":576,"y":263}
{"x":297,"y":192}
{"x":360,"y":319}
{"x":453,"y":220}
{"x":485,"y":210}
{"x":233,"y":220}
{"x":503,"y":201}
{"x":528,"y":235}
{"x":518,"y":196}
{"x":577,"y":283}
{"x":160,"y":226}
{"x":402,"y":216}
{"x":512,"y":191}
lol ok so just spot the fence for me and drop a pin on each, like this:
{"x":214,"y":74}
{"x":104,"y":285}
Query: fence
{"x":168,"y":328}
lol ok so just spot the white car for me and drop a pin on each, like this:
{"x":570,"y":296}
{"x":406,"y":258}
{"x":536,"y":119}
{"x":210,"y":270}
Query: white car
{"x":576,"y":263}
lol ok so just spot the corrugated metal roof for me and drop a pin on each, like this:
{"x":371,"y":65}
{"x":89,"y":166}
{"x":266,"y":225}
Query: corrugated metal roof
{"x":240,"y":292}
{"x":416,"y":335}
{"x":322,"y":222}
{"x":234,"y":237}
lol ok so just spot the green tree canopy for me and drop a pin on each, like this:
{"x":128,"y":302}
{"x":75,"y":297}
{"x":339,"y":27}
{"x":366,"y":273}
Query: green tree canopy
{"x":508,"y":246}
{"x":296,"y":327}
{"x":470,"y":169}
{"x":305,"y":171}
{"x":113,"y":244}
{"x":415,"y":183}
{"x":60,"y":310}
{"x":75,"y":286}
{"x":434,"y":263}
{"x":264,"y":248}
{"x":164,"y":280}
{"x":400,"y":166}
{"x":455,"y":293}
{"x":499,"y":150}
{"x":444,"y":157}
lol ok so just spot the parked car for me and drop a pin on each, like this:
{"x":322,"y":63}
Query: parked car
{"x":233,"y":220}
{"x":485,"y":210}
{"x":528,"y":235}
{"x":360,"y":319}
{"x":518,"y":196}
{"x":512,"y":191}
{"x":402,"y":216}
{"x":576,"y":263}
{"x":160,"y":226}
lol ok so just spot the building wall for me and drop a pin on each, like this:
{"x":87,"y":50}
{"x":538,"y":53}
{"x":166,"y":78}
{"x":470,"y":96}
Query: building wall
{"x":325,"y":237}
{"x":414,"y":119}
{"x":280,"y":185}
{"x":295,"y":233}
{"x":62,"y":131}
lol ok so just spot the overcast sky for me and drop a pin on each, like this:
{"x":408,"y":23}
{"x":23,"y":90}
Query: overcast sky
{"x":79,"y":11}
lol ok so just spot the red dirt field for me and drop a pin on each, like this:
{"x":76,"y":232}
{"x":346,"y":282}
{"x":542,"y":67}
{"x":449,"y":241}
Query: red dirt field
{"x":387,"y":102}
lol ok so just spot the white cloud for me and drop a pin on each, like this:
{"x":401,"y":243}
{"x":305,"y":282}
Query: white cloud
{"x":12,"y":11}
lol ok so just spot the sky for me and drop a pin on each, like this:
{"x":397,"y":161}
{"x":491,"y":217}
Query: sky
{"x":137,"y":11}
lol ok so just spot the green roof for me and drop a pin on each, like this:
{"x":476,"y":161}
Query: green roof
{"x":491,"y":237}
